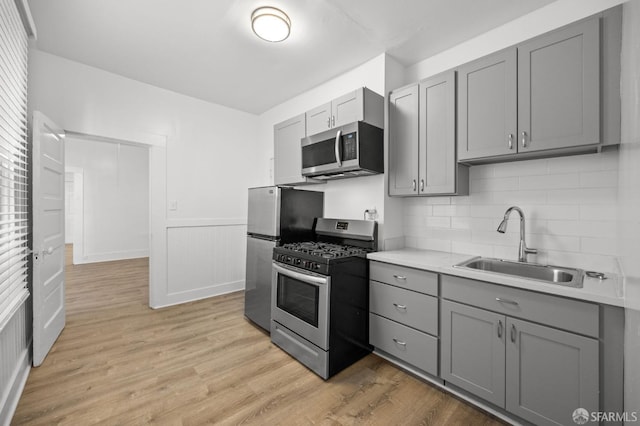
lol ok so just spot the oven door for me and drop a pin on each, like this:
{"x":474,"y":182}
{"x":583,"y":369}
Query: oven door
{"x":300,"y":302}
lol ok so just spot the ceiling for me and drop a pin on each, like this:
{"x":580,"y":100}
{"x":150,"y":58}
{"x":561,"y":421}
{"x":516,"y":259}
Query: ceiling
{"x":206,"y":49}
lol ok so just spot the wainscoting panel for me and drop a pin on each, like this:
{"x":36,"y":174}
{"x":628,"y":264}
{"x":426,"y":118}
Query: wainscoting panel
{"x":205,"y":260}
{"x":15,"y":364}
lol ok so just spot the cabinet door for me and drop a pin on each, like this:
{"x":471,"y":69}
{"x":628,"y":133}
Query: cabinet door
{"x":287,"y":151}
{"x":472,"y":350}
{"x":437,"y":147}
{"x":319,"y":119}
{"x":550,"y":373}
{"x":403,"y":141}
{"x":347,"y":109}
{"x":487,"y":102}
{"x":559,"y":89}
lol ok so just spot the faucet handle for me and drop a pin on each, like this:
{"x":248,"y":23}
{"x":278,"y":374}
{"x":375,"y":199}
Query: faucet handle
{"x":530,"y":250}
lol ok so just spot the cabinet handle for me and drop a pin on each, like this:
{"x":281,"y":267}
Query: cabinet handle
{"x":399,"y":342}
{"x":333,"y":120}
{"x":510,"y":302}
{"x":500,"y":329}
{"x":524,"y":139}
{"x":421,"y":185}
{"x":402,"y":307}
{"x":414,"y":184}
{"x":328,"y":122}
{"x":400,"y":277}
{"x":510,"y":140}
{"x":513,"y":333}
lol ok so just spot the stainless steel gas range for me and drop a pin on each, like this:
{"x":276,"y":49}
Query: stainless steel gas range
{"x":320,"y":295}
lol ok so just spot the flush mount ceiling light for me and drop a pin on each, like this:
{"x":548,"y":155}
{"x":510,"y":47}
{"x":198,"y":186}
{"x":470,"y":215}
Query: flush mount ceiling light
{"x":270,"y":24}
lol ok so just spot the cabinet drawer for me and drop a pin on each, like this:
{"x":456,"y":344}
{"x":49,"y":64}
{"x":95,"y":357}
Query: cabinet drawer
{"x":572,"y":315}
{"x":404,"y":306}
{"x":401,"y":276}
{"x":409,"y":345}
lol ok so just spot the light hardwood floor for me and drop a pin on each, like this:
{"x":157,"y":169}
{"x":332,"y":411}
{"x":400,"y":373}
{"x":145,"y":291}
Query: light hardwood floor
{"x":119,"y":362}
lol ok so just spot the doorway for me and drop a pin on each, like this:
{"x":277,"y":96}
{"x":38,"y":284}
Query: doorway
{"x":107,"y":199}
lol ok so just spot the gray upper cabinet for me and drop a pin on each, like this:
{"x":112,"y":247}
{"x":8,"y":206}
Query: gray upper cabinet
{"x":559,"y":89}
{"x":319,"y":119}
{"x":422,"y":139}
{"x":542,"y":97}
{"x":287,"y":159}
{"x":438,"y":170}
{"x":567,"y":365}
{"x":403,"y":141}
{"x":487,"y":103}
{"x":359,"y":105}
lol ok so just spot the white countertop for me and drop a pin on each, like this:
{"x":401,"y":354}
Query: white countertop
{"x":607,"y":291}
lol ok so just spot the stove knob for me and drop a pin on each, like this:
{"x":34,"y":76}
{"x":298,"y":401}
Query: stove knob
{"x":316,"y":266}
{"x":298,"y":261}
{"x":288,"y":259}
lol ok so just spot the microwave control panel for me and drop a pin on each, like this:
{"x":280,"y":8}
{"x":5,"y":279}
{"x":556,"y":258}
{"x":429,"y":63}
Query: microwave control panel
{"x":349,"y":147}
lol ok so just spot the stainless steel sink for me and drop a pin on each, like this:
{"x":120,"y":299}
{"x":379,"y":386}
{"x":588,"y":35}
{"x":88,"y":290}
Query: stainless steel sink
{"x":569,"y":277}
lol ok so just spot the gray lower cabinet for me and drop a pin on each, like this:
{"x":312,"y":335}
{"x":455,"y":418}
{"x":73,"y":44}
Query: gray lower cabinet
{"x":549,"y":373}
{"x":472,"y":350}
{"x":538,"y":373}
{"x":403,"y":318}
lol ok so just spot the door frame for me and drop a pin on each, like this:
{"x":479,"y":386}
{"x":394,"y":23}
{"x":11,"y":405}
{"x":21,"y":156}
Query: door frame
{"x":157,"y":146}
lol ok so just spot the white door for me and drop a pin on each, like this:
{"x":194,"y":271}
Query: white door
{"x":48,"y":235}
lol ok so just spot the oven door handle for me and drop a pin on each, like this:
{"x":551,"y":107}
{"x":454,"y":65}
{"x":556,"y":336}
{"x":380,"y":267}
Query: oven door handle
{"x":300,"y":276}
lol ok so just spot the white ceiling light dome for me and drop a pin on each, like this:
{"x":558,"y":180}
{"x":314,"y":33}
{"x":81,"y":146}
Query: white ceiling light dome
{"x":270,"y":24}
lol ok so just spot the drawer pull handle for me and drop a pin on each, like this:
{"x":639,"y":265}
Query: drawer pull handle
{"x":500,"y":329}
{"x":400,"y":277}
{"x":399,"y":342}
{"x":403,"y":307}
{"x":513,"y":333}
{"x":510,"y":302}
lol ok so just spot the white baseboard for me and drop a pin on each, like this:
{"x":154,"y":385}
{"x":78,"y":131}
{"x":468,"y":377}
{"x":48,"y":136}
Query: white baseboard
{"x":199,"y":294}
{"x":110,"y":257}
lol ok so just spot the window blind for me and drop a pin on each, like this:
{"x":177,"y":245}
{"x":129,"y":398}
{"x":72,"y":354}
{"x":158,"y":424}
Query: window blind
{"x":14,"y":172}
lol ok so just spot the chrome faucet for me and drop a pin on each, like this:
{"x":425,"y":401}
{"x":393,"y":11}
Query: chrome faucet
{"x":523,"y":250}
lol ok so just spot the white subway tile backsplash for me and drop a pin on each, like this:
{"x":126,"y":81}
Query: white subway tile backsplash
{"x":567,"y":180}
{"x":583,"y":196}
{"x":601,"y":179}
{"x":569,"y":205}
{"x":490,"y":185}
{"x":605,"y":246}
{"x":472,"y":248}
{"x":521,"y":168}
{"x":484,"y":171}
{"x":605,"y":212}
{"x":510,"y":198}
{"x":438,"y":221}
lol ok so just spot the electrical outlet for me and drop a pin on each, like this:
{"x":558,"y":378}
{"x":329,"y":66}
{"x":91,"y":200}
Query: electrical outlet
{"x":173,"y":205}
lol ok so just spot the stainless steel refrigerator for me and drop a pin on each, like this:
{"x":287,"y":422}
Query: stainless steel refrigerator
{"x":277,"y":215}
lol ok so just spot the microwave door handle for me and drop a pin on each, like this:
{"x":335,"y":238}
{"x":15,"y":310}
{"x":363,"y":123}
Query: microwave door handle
{"x":338,"y":137}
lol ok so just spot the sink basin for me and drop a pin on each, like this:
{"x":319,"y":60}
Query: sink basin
{"x":569,"y":277}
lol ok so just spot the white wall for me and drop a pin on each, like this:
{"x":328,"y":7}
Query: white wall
{"x":203,"y":157}
{"x":346,"y":198}
{"x":629,"y":199}
{"x":114,"y":212}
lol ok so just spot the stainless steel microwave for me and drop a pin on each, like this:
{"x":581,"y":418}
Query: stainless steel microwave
{"x":354,"y":149}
